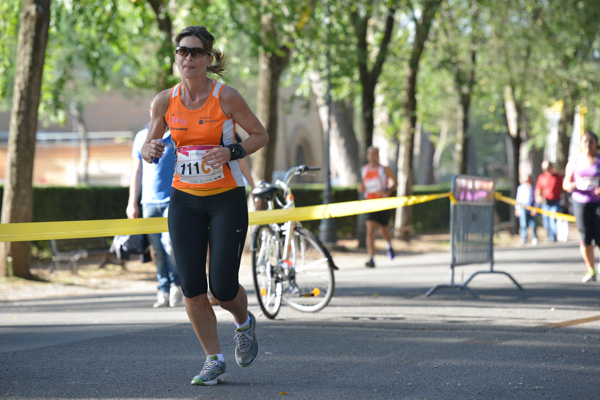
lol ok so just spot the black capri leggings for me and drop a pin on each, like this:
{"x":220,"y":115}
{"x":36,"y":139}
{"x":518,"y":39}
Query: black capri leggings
{"x":219,"y":221}
{"x":587,"y":219}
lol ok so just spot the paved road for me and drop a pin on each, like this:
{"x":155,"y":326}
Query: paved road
{"x":379,"y":338}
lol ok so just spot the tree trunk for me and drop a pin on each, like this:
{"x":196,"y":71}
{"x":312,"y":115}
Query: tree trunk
{"x":165,"y":26}
{"x":426,"y":155}
{"x":368,"y":78}
{"x":344,"y":146}
{"x":463,"y":132}
{"x":405,"y":175}
{"x":84,"y":143}
{"x":464,"y":81}
{"x":271,"y":67}
{"x":460,"y":150}
{"x":17,"y":203}
{"x":565,"y":127}
{"x":439,"y":151}
{"x":512,"y":117}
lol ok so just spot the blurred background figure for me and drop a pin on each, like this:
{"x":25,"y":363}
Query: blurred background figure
{"x":527,"y":218}
{"x":153,"y":182}
{"x":548,"y":192}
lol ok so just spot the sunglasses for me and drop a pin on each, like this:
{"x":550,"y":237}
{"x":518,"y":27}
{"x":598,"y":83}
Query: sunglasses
{"x":194,"y":51}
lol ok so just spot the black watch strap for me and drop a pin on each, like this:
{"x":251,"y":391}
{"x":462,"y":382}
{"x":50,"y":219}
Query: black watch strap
{"x":237,"y":151}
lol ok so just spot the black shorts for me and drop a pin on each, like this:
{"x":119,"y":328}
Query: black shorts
{"x":219,"y":221}
{"x":382,"y":217}
{"x":587,"y":219}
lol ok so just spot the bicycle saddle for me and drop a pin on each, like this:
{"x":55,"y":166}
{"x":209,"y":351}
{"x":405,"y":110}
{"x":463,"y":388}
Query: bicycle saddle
{"x":265,"y":191}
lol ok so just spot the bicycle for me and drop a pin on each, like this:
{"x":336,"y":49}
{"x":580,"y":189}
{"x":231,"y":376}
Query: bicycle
{"x":289,"y":263}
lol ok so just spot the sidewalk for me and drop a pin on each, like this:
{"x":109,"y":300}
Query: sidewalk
{"x":380,"y":337}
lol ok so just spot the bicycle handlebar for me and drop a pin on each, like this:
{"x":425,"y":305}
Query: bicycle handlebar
{"x":298,"y":170}
{"x":268,"y":191}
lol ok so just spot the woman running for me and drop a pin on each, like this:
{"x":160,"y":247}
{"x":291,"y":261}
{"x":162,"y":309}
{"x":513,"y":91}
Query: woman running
{"x":208,"y":200}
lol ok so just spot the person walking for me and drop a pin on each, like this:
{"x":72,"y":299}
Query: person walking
{"x":525,"y":197}
{"x":582,"y":180}
{"x":377,"y":182}
{"x":153,"y":182}
{"x":208,"y":200}
{"x":548,"y":192}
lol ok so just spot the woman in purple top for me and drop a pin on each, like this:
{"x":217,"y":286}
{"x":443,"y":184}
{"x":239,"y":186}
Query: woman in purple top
{"x":582,"y":180}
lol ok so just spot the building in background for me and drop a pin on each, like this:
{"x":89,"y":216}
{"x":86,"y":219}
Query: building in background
{"x":112,"y":122}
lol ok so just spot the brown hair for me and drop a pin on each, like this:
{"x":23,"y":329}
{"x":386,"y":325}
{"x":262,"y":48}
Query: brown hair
{"x":218,"y":67}
{"x":592,"y":134}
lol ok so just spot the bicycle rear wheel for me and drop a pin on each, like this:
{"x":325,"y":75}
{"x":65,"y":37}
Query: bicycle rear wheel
{"x":265,"y":273}
{"x":308,"y":283}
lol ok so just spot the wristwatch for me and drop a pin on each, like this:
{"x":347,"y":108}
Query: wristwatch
{"x":237,"y":151}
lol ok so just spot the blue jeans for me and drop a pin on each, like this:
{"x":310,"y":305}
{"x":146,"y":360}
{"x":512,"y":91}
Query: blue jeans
{"x":166,"y":273}
{"x":549,"y":222}
{"x":527,"y":220}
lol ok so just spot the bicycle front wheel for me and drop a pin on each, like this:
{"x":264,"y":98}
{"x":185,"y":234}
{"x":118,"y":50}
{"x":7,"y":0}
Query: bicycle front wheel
{"x":265,"y":272}
{"x":308,"y":282}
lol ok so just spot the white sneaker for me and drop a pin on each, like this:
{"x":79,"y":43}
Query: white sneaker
{"x":162,"y":299}
{"x":175,"y":296}
{"x":534,"y":242}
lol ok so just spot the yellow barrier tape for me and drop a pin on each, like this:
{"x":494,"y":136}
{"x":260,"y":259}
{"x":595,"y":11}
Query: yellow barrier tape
{"x":80,"y":229}
{"x":556,"y":215}
{"x":110,"y":227}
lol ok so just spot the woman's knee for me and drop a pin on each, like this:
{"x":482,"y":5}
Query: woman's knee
{"x":224,"y":293}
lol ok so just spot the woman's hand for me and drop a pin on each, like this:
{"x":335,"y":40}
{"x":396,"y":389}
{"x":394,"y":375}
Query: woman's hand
{"x":154,"y":149}
{"x":217,"y":157}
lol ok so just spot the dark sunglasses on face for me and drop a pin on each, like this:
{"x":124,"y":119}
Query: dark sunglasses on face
{"x":194,"y":51}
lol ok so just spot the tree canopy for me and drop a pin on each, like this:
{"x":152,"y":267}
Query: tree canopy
{"x":468,"y":74}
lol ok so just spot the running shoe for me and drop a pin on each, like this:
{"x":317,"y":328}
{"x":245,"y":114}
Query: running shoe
{"x":246,"y":346}
{"x":589,"y":277}
{"x":370,"y":264}
{"x":213,"y":372}
{"x":390,"y":253}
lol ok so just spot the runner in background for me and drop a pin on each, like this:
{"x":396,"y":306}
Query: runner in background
{"x":377,"y":182}
{"x":582,"y":180}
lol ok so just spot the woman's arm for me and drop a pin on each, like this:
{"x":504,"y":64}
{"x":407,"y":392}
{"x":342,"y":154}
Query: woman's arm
{"x":153,"y":146}
{"x":234,"y":105}
{"x":390,"y":176}
{"x":569,"y":181}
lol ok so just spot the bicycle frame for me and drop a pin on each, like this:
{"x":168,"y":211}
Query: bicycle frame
{"x":288,"y":226}
{"x":296,"y":268}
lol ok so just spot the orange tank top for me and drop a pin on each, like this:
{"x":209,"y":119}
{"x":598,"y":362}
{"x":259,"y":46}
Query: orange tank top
{"x":196,"y":131}
{"x":375,"y":181}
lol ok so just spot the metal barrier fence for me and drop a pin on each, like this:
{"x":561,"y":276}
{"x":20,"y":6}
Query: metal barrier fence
{"x":471,"y":229}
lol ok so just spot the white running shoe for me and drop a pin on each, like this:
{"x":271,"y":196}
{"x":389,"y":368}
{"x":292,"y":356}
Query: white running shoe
{"x":213,"y":372}
{"x":176,"y":296}
{"x":246,"y":346}
{"x":589,"y":277}
{"x":162,"y":299}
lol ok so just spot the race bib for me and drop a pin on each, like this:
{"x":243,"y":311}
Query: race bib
{"x":373,"y":185}
{"x":190,"y":167}
{"x":587,"y":182}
